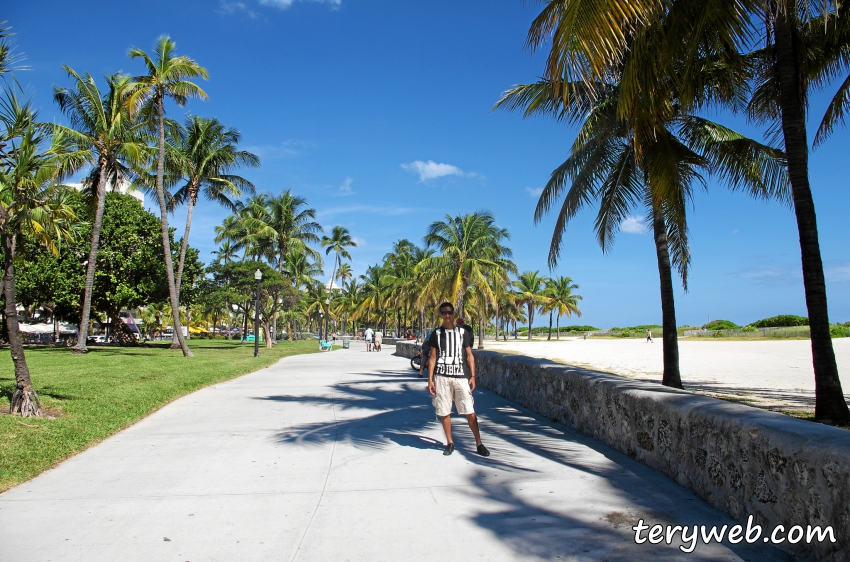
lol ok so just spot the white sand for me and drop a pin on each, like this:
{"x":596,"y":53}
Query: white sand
{"x":773,"y":373}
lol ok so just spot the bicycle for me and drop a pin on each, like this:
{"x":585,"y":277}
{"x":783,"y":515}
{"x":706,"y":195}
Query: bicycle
{"x":416,"y":360}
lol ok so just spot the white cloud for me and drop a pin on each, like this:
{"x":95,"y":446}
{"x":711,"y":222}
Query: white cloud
{"x":431,"y":170}
{"x":735,"y":231}
{"x":359,"y":241}
{"x":284,"y":4}
{"x":345,"y":188}
{"x":534,"y":191}
{"x":228,"y":8}
{"x":633,"y":225}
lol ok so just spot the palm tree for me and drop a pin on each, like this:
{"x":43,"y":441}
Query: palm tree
{"x":805,"y":48}
{"x":588,"y":44}
{"x":529,"y":288}
{"x":226,"y":252}
{"x":204,"y":154}
{"x":561,"y":300}
{"x":111,"y":136}
{"x":337,"y":242}
{"x":168,"y":76}
{"x":300,"y":269}
{"x":648,"y":157}
{"x":344,"y":273}
{"x":373,"y":295}
{"x":472,"y":253}
{"x":274,"y":226}
{"x":30,"y":205}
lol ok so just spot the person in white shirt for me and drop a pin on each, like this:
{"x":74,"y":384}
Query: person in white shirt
{"x":368,"y":335}
{"x":451,"y":349}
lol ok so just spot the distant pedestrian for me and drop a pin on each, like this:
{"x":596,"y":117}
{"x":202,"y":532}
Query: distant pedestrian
{"x":379,"y":339}
{"x":451,"y":347}
{"x":649,"y":337}
{"x":368,"y":335}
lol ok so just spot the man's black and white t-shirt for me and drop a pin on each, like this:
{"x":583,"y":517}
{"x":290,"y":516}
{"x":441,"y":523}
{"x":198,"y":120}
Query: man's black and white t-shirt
{"x":450,"y":345}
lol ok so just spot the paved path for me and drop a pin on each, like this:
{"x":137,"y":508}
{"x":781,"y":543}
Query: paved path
{"x":338,"y":457}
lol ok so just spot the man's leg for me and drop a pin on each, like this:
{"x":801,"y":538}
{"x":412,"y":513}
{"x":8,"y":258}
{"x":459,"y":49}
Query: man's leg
{"x":473,"y":425}
{"x":447,"y":427}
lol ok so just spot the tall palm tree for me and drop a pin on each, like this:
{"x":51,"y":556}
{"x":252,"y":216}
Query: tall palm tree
{"x":472,"y":253}
{"x":104,"y":128}
{"x":204,"y":154}
{"x":167,"y":77}
{"x":561,"y":300}
{"x":31,"y":205}
{"x":805,"y":48}
{"x":631,"y":152}
{"x":338,"y":242}
{"x":530,"y":291}
{"x":588,"y":43}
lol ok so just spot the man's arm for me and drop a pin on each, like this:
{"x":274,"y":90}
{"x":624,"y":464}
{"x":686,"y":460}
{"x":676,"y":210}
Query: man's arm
{"x":470,"y":360}
{"x":432,"y":362}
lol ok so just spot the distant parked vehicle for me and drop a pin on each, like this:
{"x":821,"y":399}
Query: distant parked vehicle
{"x":95,"y":339}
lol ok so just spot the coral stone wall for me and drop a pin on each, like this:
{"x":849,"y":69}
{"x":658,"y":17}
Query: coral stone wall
{"x":743,"y":460}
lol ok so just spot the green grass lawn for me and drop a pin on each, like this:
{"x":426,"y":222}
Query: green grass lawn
{"x":110,"y":388}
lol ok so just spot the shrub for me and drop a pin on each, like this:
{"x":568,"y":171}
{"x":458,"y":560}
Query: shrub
{"x":580,"y":329}
{"x":721,"y":325}
{"x":781,"y":321}
{"x":840,"y":330}
{"x":749,"y":329}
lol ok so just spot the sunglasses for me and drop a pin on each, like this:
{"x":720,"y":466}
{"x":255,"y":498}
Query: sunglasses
{"x":447,"y":312}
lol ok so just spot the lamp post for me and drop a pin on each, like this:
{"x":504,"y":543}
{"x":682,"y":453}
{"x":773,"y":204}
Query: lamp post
{"x":321,"y":317}
{"x":328,"y":307}
{"x":258,"y":275}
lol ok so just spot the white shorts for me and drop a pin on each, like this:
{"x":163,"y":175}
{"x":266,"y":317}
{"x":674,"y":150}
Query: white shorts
{"x":452,"y":389}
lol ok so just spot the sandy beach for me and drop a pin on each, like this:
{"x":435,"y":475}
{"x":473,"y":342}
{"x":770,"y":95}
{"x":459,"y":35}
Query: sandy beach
{"x":775,"y":374}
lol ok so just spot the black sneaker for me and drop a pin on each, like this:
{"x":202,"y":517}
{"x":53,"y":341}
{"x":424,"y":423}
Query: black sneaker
{"x":482,"y":450}
{"x":450,"y":448}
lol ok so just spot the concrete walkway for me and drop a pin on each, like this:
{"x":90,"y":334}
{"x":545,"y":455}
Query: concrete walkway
{"x":338,"y":457}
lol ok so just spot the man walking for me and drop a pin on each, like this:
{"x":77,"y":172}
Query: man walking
{"x":367,"y":335}
{"x":451,"y":346}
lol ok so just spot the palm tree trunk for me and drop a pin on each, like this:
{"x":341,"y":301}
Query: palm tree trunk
{"x":549,"y":337}
{"x":90,"y":267}
{"x":166,"y":245}
{"x":481,"y":329}
{"x":24,"y":400}
{"x":530,"y":308}
{"x":175,"y":344}
{"x":558,"y":327}
{"x":830,"y":406}
{"x":671,"y":376}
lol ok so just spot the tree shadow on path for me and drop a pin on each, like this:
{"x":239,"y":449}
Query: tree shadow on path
{"x":386,"y":409}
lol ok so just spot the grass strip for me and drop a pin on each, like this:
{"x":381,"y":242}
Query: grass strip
{"x":100,"y":393}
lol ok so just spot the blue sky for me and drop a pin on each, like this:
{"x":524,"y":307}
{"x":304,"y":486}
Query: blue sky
{"x":378,"y":111}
